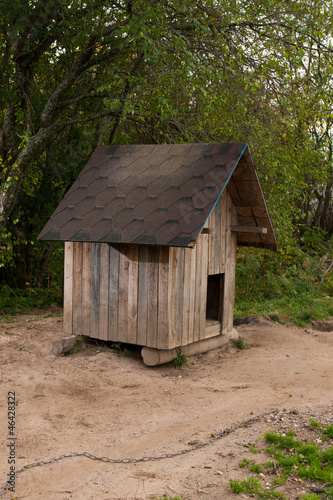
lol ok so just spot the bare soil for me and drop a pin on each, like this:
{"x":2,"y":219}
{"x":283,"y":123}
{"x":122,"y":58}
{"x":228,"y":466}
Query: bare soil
{"x":112,"y":405}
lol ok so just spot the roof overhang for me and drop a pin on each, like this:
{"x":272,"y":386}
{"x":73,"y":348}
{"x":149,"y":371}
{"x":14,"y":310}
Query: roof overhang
{"x":161,"y":195}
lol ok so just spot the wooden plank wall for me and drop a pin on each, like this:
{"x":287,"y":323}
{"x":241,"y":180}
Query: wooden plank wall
{"x":68,"y":289}
{"x":146,"y":295}
{"x":214,"y":253}
{"x":117,"y":292}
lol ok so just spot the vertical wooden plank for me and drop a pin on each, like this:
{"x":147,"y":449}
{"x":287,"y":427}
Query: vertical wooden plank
{"x":163,"y":304}
{"x":113,"y":292}
{"x":133,"y":271}
{"x":198,"y":279}
{"x":228,"y":259}
{"x":172,"y":295}
{"x":95,"y":288}
{"x":153,"y":257}
{"x":211,"y":242}
{"x":104,"y":291}
{"x":77,"y":288}
{"x":232,"y":269}
{"x":222,"y":228}
{"x":188,"y":296}
{"x":203,"y":285}
{"x":86,"y":288}
{"x":218,"y":239}
{"x":142,"y":295}
{"x":180,"y":297}
{"x":123,"y":293}
{"x":193,"y":269}
{"x":68,"y":289}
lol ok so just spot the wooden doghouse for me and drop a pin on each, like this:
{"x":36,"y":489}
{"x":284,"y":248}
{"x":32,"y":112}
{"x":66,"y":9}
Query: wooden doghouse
{"x":150,"y":237}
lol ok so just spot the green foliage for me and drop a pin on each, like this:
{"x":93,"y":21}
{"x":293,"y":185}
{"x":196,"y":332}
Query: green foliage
{"x":314,"y":423}
{"x":180,"y":360}
{"x":279,"y":287}
{"x":328,"y":432}
{"x":310,"y":462}
{"x":240,"y":343}
{"x":244,"y":462}
{"x":170,"y":498}
{"x":253,"y":486}
{"x":166,"y":72}
{"x":15,"y":301}
{"x":250,"y":485}
{"x":290,"y":457}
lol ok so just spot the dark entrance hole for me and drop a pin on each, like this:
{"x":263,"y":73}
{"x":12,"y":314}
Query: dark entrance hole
{"x":215,"y":287}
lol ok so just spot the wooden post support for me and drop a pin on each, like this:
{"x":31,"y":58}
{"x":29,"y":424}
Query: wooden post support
{"x":249,"y":229}
{"x":63,"y":345}
{"x":155,"y":357}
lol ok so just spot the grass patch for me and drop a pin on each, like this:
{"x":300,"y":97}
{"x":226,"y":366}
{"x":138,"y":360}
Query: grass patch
{"x":305,"y":462}
{"x":170,"y":498}
{"x":180,"y":360}
{"x":253,"y":449}
{"x":240,"y":343}
{"x":277,"y":287}
{"x":315,"y":424}
{"x":17,"y":301}
{"x":328,"y":432}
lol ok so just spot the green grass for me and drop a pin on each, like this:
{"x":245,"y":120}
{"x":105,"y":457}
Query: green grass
{"x":328,"y":432}
{"x":253,"y":486}
{"x":314,"y":423}
{"x":289,"y":457}
{"x":253,"y":449}
{"x":180,"y":360}
{"x":277,"y":287}
{"x":170,"y":498}
{"x":16,"y":301}
{"x":240,"y":343}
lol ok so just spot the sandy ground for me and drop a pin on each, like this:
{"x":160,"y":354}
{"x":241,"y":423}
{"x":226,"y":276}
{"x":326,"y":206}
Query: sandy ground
{"x":112,"y":405}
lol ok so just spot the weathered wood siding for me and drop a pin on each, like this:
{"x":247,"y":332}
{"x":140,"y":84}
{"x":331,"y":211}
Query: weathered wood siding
{"x":151,"y":296}
{"x":117,"y":292}
{"x":214,"y":253}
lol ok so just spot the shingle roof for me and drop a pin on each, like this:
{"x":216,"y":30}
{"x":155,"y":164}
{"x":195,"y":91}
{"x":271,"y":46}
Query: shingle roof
{"x":160,"y":195}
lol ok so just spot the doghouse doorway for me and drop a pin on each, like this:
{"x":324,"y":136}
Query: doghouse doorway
{"x":215,"y":298}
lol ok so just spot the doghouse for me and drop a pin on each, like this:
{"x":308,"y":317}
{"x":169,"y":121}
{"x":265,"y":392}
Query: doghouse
{"x":150,"y":236}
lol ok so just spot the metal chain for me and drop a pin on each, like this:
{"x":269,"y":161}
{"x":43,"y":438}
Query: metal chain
{"x":86,"y":454}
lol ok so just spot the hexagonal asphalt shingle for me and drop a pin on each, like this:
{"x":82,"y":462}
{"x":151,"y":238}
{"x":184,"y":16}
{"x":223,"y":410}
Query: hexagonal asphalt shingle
{"x":156,"y":194}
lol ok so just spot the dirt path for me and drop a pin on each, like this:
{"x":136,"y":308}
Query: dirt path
{"x":113,"y":405}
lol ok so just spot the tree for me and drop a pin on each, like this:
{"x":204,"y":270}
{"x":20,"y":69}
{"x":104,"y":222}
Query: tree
{"x":148,"y":71}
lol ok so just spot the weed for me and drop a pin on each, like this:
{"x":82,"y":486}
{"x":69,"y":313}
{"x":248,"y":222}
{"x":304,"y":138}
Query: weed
{"x":311,"y":496}
{"x":180,"y":360}
{"x":314,"y":423}
{"x":52,"y":314}
{"x":170,"y":498}
{"x":7,"y":319}
{"x":291,"y":457}
{"x":304,"y":458}
{"x":256,"y":468}
{"x":240,"y":343}
{"x":77,"y":346}
{"x":250,"y":485}
{"x":253,"y":449}
{"x":116,"y":347}
{"x":253,"y":486}
{"x":328,"y":432}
